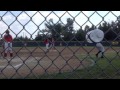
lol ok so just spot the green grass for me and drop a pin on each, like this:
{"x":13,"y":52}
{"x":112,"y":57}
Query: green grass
{"x":107,"y":68}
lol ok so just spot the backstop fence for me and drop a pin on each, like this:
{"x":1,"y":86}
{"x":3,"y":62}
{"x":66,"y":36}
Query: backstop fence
{"x":71,"y":57}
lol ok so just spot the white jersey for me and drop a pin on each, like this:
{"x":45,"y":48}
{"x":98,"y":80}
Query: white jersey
{"x":100,"y":47}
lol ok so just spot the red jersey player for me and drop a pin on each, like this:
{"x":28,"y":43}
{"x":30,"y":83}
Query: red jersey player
{"x":8,"y":44}
{"x":46,"y":41}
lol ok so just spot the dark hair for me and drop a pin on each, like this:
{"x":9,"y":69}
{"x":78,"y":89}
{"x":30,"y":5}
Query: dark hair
{"x":7,"y":31}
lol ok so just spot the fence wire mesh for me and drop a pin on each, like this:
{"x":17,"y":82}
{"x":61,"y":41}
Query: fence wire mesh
{"x":66,"y":54}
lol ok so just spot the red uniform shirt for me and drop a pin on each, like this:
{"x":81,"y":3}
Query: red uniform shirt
{"x":46,"y":41}
{"x":8,"y":38}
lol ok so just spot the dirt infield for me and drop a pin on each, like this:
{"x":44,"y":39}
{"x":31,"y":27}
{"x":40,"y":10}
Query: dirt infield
{"x":34,"y":61}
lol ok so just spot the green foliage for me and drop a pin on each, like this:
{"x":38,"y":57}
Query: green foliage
{"x":105,"y":68}
{"x":66,"y":32}
{"x":22,"y":39}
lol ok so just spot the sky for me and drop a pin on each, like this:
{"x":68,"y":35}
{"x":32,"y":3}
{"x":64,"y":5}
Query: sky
{"x":30,"y":22}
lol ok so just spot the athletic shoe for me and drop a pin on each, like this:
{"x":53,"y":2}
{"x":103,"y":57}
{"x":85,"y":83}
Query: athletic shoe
{"x":96,"y":55}
{"x":102,"y":57}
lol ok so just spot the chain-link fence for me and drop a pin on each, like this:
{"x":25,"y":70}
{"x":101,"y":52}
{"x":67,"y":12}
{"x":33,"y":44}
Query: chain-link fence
{"x":52,"y":44}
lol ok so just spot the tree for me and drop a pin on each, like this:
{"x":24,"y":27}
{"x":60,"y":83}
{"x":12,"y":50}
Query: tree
{"x":100,"y":27}
{"x":118,"y":18}
{"x":68,"y":30}
{"x":110,"y":30}
{"x":69,"y":25}
{"x":41,"y":35}
{"x":86,"y":29}
{"x":54,"y":29}
{"x":92,"y":27}
{"x":21,"y":38}
{"x":80,"y":35}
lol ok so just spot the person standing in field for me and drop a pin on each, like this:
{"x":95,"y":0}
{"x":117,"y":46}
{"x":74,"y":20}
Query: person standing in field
{"x":47,"y":41}
{"x":52,"y":43}
{"x":8,"y":44}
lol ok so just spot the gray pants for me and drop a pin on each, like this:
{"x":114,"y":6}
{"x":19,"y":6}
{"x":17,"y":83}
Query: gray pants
{"x":100,"y":47}
{"x":8,"y":47}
